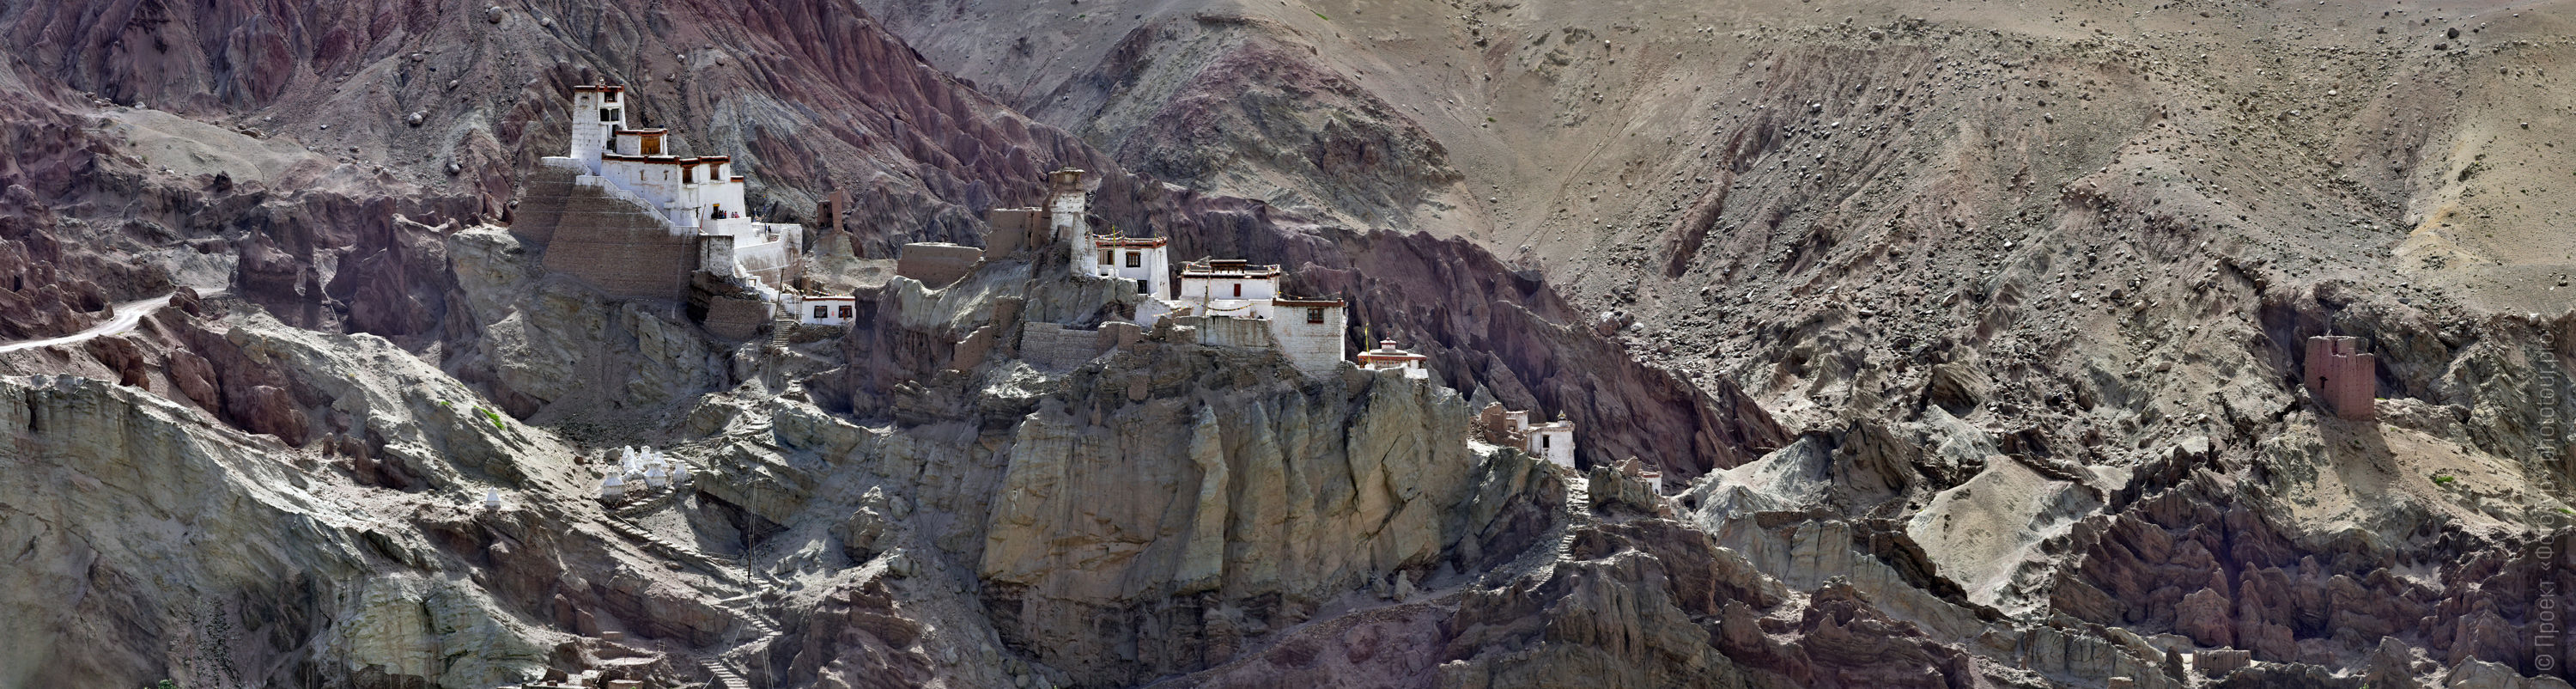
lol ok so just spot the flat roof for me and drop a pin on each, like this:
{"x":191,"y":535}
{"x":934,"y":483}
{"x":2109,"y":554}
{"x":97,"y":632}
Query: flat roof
{"x":1228,"y":268}
{"x":665,"y":160}
{"x":598,"y":87}
{"x":1386,"y":349}
{"x":1126,"y":241}
{"x":1284,"y":300}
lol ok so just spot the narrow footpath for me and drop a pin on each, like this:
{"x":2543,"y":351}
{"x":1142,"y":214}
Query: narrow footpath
{"x":127,"y":315}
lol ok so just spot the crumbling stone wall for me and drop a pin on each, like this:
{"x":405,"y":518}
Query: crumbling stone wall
{"x":1247,"y":333}
{"x":1011,"y":228}
{"x":2341,"y":377}
{"x":1051,"y":345}
{"x":727,"y":311}
{"x":1494,"y":425}
{"x":936,"y":264}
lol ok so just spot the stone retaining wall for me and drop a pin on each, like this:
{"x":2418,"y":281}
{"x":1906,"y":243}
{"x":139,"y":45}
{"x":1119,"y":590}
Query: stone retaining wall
{"x":607,"y":242}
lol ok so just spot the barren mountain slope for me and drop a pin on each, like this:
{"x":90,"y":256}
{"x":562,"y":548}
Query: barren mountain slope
{"x":2097,"y":235}
{"x":1542,"y":107}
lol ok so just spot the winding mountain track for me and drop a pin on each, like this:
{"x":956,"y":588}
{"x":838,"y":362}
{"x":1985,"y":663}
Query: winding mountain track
{"x":127,"y":315}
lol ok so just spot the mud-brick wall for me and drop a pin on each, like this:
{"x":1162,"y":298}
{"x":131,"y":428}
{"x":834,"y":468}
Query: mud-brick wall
{"x":936,"y":264}
{"x":2341,"y":377}
{"x":608,"y":242}
{"x":1050,"y":345}
{"x":735,"y":318}
{"x":1247,"y":333}
{"x":1011,"y":229}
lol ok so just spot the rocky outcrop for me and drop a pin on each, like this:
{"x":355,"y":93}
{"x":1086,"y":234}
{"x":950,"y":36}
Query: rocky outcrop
{"x":1217,"y":510}
{"x":215,"y":615}
{"x":548,"y":342}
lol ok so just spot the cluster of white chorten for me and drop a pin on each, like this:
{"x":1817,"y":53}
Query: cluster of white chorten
{"x":645,"y":465}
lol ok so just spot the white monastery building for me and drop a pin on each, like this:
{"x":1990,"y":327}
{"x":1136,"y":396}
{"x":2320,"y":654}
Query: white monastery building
{"x":694,"y":196}
{"x":1389,"y":358}
{"x":1307,"y":331}
{"x":821,"y":310}
{"x":1115,"y":255}
{"x":1553,"y":441}
{"x":1141,"y":259}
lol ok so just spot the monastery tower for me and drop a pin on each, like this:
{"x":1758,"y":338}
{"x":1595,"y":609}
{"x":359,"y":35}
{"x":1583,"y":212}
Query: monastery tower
{"x":597,"y":113}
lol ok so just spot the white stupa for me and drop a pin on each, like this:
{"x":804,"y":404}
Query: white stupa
{"x":654,"y":478}
{"x":613,"y":487}
{"x":491,"y":498}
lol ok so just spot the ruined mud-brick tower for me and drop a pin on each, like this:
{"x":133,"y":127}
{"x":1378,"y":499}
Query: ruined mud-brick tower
{"x":2341,"y":377}
{"x":1066,"y":204}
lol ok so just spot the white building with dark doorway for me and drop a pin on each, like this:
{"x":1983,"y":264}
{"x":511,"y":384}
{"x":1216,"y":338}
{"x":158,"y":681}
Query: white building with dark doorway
{"x":1142,"y":259}
{"x":1307,"y":330}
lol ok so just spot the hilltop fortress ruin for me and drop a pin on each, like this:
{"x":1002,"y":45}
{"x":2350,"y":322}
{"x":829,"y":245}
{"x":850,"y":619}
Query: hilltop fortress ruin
{"x":622,"y":213}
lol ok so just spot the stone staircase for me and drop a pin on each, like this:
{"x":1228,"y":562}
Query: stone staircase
{"x":665,"y":548}
{"x":765,"y":632}
{"x":726,"y":677}
{"x":726,"y":674}
{"x":647,"y":500}
{"x":741,"y":608}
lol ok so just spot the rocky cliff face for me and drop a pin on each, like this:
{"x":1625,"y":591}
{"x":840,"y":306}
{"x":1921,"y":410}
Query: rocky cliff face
{"x":1179,"y":515}
{"x":174,"y":546}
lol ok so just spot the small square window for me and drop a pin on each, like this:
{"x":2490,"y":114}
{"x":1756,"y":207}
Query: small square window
{"x":1135,"y":259}
{"x":1108,"y":258}
{"x":821,"y":311}
{"x":1314,"y":314}
{"x":1546,"y":442}
{"x":1238,"y":289}
{"x":845,"y":311}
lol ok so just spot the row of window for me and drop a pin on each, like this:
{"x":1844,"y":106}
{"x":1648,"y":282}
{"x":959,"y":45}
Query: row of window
{"x":824,"y":311}
{"x":1135,"y":259}
{"x":689,"y":175}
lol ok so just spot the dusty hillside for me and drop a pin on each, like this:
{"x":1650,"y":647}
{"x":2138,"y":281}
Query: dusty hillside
{"x":1966,"y":335}
{"x":1594,"y":129}
{"x":2095,"y":234}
